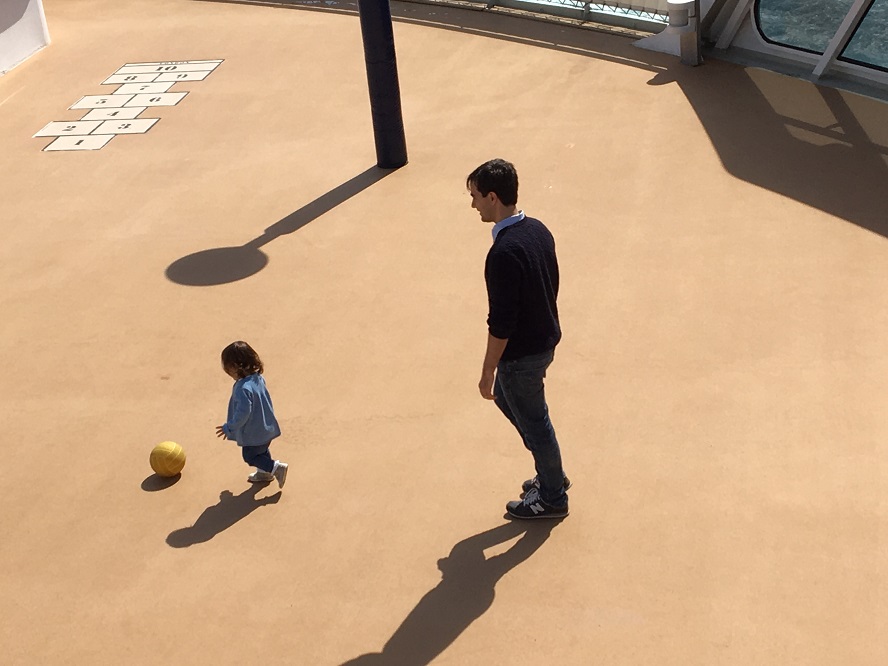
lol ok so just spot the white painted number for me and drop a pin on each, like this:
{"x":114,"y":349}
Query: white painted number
{"x":125,"y":104}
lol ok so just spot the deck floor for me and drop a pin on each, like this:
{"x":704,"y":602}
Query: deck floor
{"x":719,"y":392}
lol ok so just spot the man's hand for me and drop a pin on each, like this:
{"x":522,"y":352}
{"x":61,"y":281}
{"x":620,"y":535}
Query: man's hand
{"x":220,"y":432}
{"x":486,"y":384}
{"x":495,"y":348}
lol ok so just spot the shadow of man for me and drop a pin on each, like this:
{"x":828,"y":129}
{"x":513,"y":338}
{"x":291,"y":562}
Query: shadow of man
{"x":464,"y":594}
{"x":214,"y":519}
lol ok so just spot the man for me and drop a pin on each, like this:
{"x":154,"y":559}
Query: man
{"x":521,"y":272}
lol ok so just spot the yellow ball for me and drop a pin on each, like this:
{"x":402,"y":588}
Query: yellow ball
{"x":167,"y":459}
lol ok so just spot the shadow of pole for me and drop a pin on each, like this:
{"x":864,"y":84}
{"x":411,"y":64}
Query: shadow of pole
{"x":229,"y":264}
{"x":763,"y":139}
{"x":219,"y":517}
{"x":465,"y":593}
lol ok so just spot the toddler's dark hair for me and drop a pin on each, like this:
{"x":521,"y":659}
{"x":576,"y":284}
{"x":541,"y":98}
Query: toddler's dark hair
{"x":242,"y":358}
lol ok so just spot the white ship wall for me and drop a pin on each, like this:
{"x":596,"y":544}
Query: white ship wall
{"x":23,"y":31}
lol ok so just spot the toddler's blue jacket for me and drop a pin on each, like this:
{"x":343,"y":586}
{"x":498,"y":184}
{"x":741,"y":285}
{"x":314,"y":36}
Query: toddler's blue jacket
{"x":251,"y":420}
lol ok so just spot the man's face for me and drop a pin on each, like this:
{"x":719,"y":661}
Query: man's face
{"x":486,"y":206}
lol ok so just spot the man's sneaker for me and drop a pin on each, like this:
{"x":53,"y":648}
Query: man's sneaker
{"x":280,"y":472}
{"x":532,"y":506}
{"x":535,"y":483}
{"x":260,"y":477}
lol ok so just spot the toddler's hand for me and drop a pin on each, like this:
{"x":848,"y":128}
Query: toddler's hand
{"x":220,"y":432}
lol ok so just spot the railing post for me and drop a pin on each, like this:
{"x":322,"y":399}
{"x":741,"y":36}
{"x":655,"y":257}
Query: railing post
{"x":684,"y":16}
{"x":682,"y":36}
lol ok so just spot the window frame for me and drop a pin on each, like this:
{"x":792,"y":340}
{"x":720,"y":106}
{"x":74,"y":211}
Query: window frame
{"x":841,"y":57}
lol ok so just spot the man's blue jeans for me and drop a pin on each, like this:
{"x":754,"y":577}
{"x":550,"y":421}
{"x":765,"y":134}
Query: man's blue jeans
{"x":521,"y":396}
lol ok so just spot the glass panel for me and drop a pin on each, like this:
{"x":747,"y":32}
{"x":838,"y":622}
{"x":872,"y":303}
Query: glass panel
{"x":869,"y":45}
{"x":803,"y":24}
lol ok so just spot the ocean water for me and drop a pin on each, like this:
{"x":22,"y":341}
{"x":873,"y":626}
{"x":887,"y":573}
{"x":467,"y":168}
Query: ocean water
{"x":811,"y":24}
{"x":806,"y":24}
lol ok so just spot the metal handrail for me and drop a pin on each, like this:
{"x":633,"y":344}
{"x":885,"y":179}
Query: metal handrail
{"x":651,"y":10}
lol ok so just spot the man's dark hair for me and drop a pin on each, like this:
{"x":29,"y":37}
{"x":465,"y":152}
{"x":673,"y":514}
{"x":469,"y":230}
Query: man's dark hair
{"x":499,"y":177}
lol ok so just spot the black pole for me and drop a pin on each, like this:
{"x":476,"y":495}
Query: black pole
{"x":382,"y":79}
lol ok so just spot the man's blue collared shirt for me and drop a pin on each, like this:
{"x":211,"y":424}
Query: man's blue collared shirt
{"x":508,"y":222}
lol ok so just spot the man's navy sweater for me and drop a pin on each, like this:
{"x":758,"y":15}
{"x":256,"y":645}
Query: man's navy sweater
{"x":521,"y":272}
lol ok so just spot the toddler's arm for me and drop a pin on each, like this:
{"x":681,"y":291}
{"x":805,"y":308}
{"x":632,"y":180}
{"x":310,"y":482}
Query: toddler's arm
{"x":243,"y":406}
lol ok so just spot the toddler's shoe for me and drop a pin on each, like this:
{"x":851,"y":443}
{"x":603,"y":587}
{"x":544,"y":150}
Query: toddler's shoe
{"x":260,"y":477}
{"x":280,"y":472}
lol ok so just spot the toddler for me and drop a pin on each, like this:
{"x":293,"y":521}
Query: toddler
{"x":251,"y":421}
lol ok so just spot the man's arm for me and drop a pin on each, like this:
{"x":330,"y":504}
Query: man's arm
{"x":495,"y":348}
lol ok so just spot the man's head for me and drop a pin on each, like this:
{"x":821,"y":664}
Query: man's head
{"x":494,"y":189}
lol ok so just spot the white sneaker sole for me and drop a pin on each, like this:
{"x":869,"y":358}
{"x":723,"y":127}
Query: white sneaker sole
{"x":280,"y":473}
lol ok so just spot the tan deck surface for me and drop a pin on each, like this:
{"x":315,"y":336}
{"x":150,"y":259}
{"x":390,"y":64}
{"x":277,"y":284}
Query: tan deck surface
{"x":719,"y":394}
